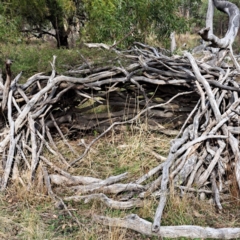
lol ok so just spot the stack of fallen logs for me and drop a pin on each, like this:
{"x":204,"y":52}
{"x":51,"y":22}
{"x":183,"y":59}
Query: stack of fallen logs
{"x":153,"y":85}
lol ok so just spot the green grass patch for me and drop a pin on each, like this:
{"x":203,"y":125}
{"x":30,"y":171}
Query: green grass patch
{"x":36,"y":57}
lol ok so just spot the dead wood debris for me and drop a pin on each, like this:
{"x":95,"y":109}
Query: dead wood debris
{"x":153,"y":85}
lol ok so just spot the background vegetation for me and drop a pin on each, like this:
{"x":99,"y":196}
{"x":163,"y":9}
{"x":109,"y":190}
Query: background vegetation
{"x":105,"y":21}
{"x":98,"y":20}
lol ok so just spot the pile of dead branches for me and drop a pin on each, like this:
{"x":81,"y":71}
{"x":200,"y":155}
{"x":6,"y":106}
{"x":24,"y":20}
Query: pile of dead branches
{"x":200,"y":157}
{"x":204,"y":158}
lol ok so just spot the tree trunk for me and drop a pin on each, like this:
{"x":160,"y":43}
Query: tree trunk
{"x":173,"y":42}
{"x":61,"y":34}
{"x":233,"y":24}
{"x":62,"y":38}
{"x":56,"y":18}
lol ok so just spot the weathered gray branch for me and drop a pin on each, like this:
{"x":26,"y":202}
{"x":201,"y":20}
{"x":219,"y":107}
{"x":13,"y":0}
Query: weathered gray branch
{"x":234,"y":20}
{"x":144,"y":227}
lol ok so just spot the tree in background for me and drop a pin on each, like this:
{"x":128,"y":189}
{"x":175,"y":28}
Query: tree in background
{"x":106,"y":21}
{"x":39,"y":16}
{"x":190,"y":8}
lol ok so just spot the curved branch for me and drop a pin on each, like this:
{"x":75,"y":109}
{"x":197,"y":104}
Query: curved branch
{"x":233,"y":25}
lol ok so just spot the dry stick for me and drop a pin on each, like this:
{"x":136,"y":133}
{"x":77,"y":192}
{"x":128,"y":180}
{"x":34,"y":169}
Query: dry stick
{"x":89,"y":97}
{"x":235,"y":148}
{"x":51,"y":100}
{"x":1,"y":80}
{"x":141,"y":89}
{"x":53,"y":69}
{"x":220,"y":123}
{"x":231,"y":109}
{"x":40,"y":113}
{"x":61,"y":134}
{"x":219,"y":100}
{"x":47,"y":144}
{"x":7,"y":84}
{"x":43,"y":134}
{"x":121,"y":187}
{"x":187,"y":168}
{"x":196,"y":122}
{"x":13,"y":142}
{"x":15,"y":170}
{"x":218,"y":85}
{"x":85,"y":60}
{"x":108,"y":201}
{"x":214,"y":161}
{"x":24,"y":157}
{"x":189,"y":189}
{"x":151,"y":187}
{"x":176,"y":163}
{"x":106,"y":182}
{"x":198,"y":165}
{"x":140,"y":225}
{"x":4,"y":160}
{"x":125,"y":122}
{"x":47,"y":183}
{"x":179,"y":165}
{"x":156,"y":155}
{"x":205,"y":84}
{"x":208,"y":121}
{"x":150,"y":173}
{"x":233,"y":58}
{"x":233,"y":26}
{"x":34,"y":161}
{"x":16,"y":105}
{"x":177,"y":143}
{"x":30,"y":104}
{"x":22,"y":93}
{"x":202,"y":94}
{"x":222,"y":80}
{"x":61,"y":180}
{"x":56,"y":153}
{"x":55,"y":197}
{"x":33,"y":79}
{"x":65,"y":174}
{"x":220,"y":172}
{"x":215,"y":190}
{"x":188,"y":118}
{"x":209,"y":17}
{"x":152,"y":49}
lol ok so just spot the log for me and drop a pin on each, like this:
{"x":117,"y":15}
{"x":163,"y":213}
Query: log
{"x":144,"y":227}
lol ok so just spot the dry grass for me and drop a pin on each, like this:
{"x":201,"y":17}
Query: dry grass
{"x":31,"y":214}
